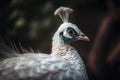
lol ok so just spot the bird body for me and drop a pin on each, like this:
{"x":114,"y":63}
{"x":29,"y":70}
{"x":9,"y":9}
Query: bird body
{"x":64,"y":62}
{"x":44,"y":67}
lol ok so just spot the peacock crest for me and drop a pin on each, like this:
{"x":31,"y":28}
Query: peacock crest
{"x":63,"y":13}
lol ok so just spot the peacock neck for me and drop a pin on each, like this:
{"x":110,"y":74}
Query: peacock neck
{"x":68,"y":53}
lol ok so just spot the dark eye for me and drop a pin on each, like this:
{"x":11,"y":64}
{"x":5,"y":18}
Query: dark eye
{"x":71,"y":32}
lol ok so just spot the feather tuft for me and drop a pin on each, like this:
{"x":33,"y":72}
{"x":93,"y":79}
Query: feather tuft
{"x":63,"y":13}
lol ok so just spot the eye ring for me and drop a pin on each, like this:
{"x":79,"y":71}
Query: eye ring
{"x":71,"y":32}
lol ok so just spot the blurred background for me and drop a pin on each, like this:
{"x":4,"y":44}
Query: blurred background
{"x":31,"y":24}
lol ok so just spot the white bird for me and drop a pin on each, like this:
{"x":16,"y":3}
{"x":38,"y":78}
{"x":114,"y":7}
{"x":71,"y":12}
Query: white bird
{"x":64,"y":62}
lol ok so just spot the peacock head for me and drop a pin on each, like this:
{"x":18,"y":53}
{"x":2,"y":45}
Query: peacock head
{"x":68,"y":32}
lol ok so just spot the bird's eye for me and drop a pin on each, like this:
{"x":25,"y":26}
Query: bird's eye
{"x":71,"y":32}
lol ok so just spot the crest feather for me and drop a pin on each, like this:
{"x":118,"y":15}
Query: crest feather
{"x":63,"y":13}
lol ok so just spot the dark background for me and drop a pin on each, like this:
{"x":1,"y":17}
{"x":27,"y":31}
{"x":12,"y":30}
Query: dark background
{"x":31,"y":24}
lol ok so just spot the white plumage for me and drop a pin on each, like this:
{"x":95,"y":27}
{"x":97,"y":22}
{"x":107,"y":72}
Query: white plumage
{"x":64,"y":62}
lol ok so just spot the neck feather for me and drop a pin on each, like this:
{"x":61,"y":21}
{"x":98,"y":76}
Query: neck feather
{"x":68,"y":53}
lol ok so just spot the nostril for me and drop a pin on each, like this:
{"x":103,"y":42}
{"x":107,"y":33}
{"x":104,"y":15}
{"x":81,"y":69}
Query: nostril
{"x":83,"y":35}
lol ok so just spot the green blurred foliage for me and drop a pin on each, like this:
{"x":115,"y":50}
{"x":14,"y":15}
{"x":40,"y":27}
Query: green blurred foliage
{"x":27,"y":20}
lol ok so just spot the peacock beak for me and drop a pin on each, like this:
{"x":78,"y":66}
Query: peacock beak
{"x":83,"y":37}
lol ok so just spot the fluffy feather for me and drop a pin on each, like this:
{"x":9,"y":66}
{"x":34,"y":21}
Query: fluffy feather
{"x":39,"y":66}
